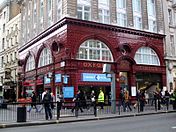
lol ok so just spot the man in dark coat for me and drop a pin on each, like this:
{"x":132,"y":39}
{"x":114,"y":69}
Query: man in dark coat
{"x":47,"y":105}
{"x":77,"y":100}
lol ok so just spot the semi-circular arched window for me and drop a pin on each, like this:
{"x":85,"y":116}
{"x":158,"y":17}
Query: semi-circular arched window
{"x":45,"y":57}
{"x":30,"y":64}
{"x":146,"y":55}
{"x":94,"y":50}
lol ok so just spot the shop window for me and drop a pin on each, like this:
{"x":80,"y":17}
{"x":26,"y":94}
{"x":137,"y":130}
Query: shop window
{"x":94,"y":50}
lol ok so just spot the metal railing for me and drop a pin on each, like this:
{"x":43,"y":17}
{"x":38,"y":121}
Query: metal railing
{"x":14,"y":111}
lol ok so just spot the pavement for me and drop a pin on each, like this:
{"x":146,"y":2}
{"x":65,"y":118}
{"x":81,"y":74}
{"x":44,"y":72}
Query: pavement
{"x":79,"y":119}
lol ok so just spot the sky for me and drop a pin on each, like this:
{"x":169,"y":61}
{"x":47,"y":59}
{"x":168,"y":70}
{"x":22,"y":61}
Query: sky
{"x":1,"y":1}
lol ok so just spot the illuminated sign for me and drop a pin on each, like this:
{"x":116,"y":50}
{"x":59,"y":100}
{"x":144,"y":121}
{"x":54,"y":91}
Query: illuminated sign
{"x":68,"y":92}
{"x":57,"y":77}
{"x":93,"y":77}
{"x":47,"y":80}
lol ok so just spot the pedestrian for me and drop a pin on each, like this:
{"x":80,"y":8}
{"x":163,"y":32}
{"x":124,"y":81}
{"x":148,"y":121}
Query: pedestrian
{"x":122,"y":100}
{"x":47,"y":105}
{"x":33,"y":103}
{"x":77,"y":100}
{"x":92,"y":97}
{"x":101,"y":99}
{"x":173,"y":99}
{"x":142,"y":100}
{"x":166,"y":98}
{"x":60,"y":100}
{"x":42,"y":104}
{"x":146,"y":97}
{"x":83,"y":99}
{"x":127,"y":100}
{"x":158,"y":97}
{"x":52,"y":101}
{"x":137,"y":99}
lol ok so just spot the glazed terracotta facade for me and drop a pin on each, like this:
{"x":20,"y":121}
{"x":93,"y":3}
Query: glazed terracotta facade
{"x":68,"y":34}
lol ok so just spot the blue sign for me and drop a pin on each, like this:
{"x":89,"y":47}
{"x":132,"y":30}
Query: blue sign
{"x":65,"y":79}
{"x":47,"y":80}
{"x":57,"y":77}
{"x":68,"y":92}
{"x":93,"y":77}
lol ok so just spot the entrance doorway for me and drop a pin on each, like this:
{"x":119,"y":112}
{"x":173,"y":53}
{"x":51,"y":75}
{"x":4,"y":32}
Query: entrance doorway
{"x":106,"y":90}
{"x":123,"y":79}
{"x":39,"y":91}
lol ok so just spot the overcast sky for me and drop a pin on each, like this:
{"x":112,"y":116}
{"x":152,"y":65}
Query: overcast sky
{"x":2,"y":1}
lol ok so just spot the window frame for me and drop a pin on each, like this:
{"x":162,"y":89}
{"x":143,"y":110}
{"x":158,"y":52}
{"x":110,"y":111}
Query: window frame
{"x":172,"y":45}
{"x":81,"y":6}
{"x":146,"y":56}
{"x":59,"y":9}
{"x":94,"y":50}
{"x":45,"y":58}
{"x":30,"y":63}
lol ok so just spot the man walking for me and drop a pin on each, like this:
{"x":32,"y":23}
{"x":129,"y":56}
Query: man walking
{"x":78,"y":103}
{"x":33,"y":104}
{"x":47,"y":105}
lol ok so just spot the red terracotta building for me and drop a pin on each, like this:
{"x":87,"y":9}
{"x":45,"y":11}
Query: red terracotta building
{"x":71,"y":54}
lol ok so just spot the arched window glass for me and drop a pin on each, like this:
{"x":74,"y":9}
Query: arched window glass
{"x":45,"y":57}
{"x":30,"y":64}
{"x":146,"y":55}
{"x":94,"y":50}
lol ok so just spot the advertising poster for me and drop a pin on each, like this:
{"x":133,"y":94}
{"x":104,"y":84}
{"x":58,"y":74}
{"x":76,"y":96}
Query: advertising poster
{"x":68,"y":92}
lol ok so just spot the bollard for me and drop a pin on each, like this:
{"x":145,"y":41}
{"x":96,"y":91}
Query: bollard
{"x":138,"y":105}
{"x":59,"y":105}
{"x":21,"y":114}
{"x":76,"y":108}
{"x":95,"y":110}
{"x":155,"y":104}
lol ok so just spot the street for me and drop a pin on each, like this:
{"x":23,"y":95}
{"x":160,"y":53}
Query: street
{"x":147,"y":123}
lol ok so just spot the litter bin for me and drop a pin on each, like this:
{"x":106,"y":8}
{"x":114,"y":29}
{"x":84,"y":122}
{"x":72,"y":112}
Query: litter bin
{"x":21,"y":114}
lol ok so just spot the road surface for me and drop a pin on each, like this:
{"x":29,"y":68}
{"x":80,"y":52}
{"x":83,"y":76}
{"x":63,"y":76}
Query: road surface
{"x":148,"y":123}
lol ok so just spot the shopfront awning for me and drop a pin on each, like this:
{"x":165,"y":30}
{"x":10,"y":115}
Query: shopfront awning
{"x":39,"y":82}
{"x":28,"y":83}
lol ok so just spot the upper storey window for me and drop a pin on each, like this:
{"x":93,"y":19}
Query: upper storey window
{"x":146,"y":56}
{"x":170,"y":16}
{"x":137,"y":17}
{"x":23,"y":25}
{"x":41,"y":12}
{"x":83,"y":9}
{"x":104,"y":13}
{"x":59,"y":9}
{"x":151,"y":8}
{"x":50,"y":18}
{"x":45,"y":57}
{"x":30,"y":64}
{"x":94,"y":50}
{"x":121,"y":13}
{"x":35,"y":14}
{"x":29,"y":19}
{"x":151,"y":15}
